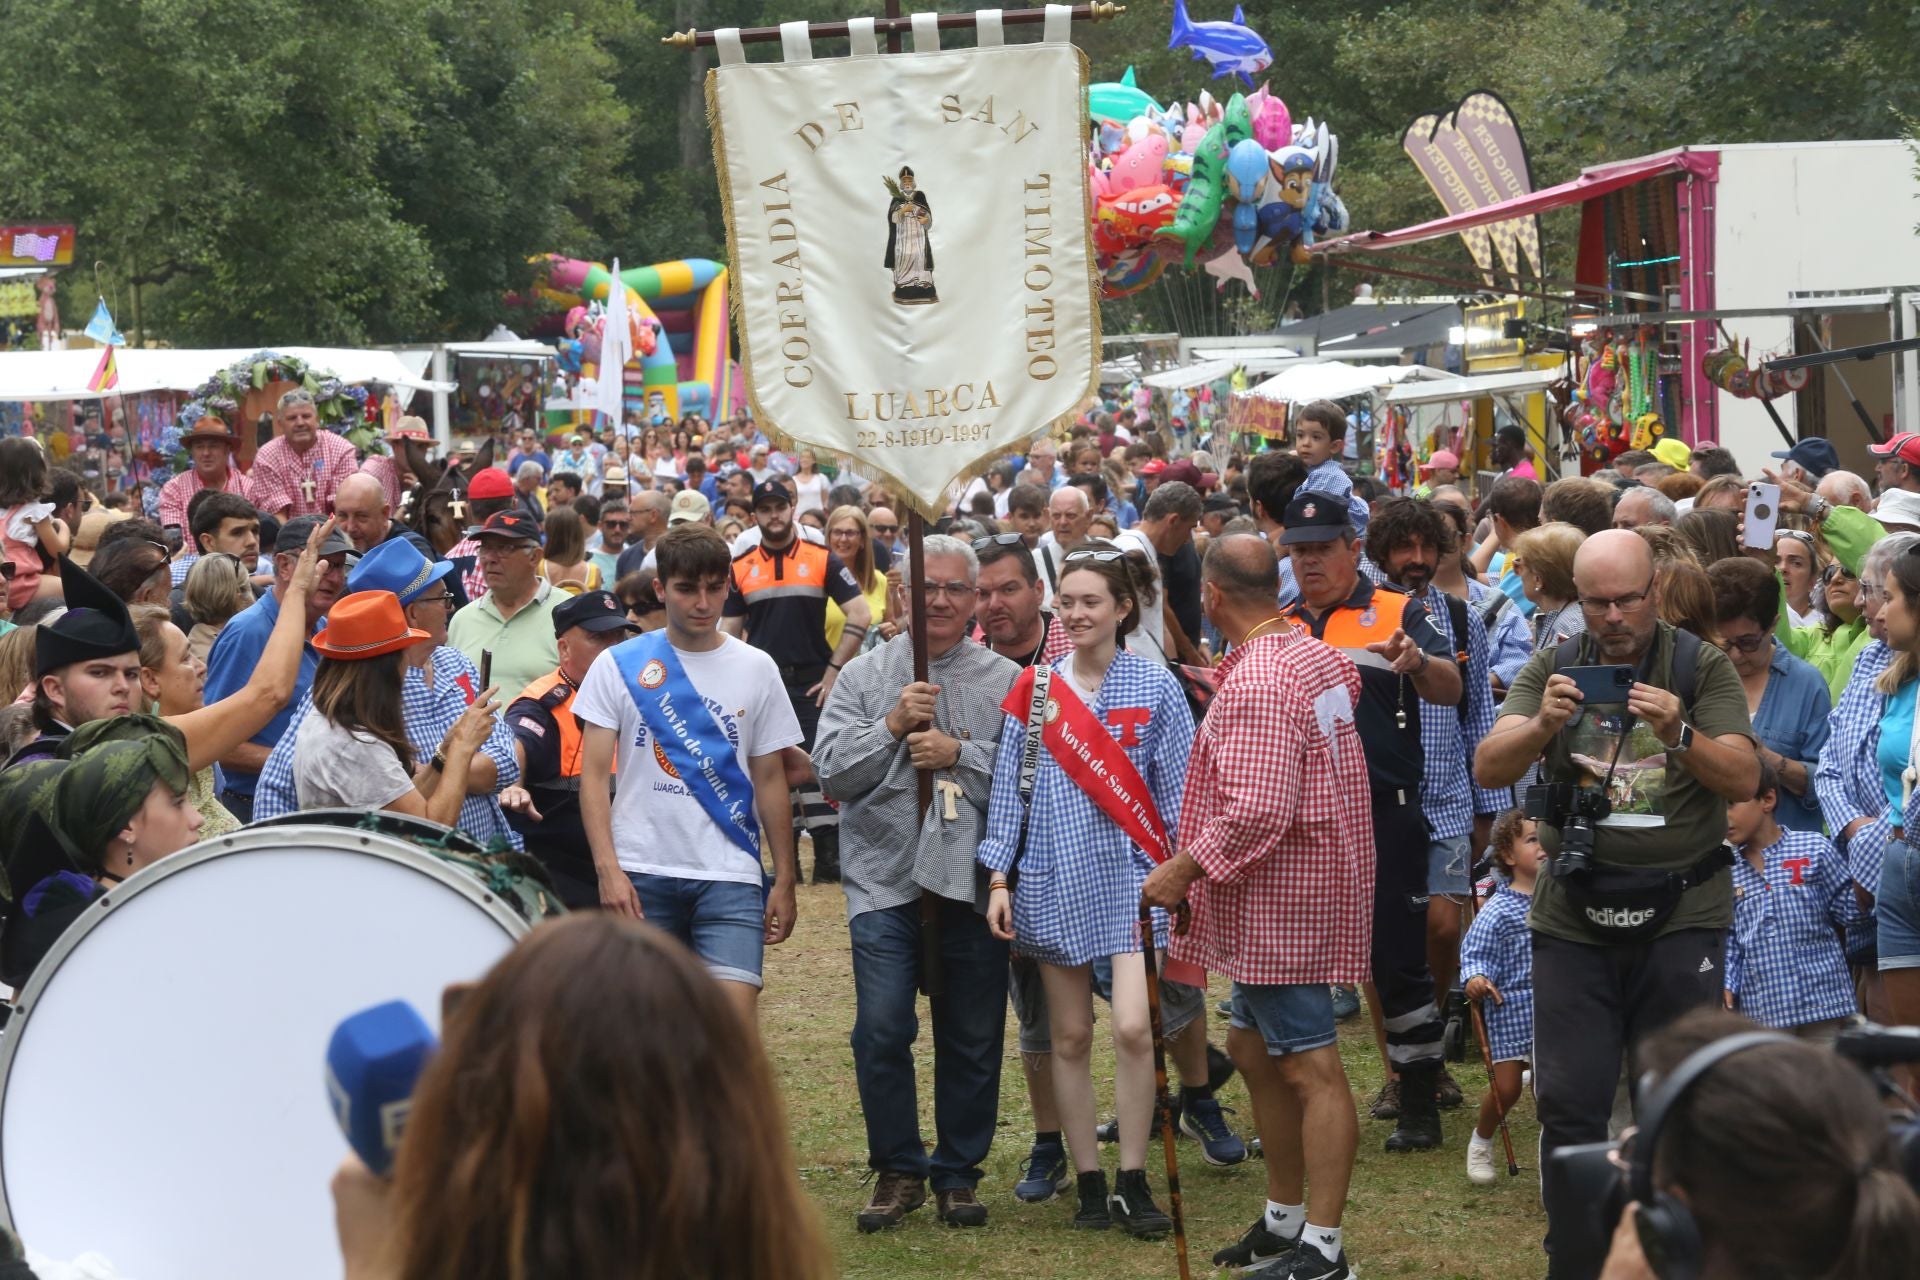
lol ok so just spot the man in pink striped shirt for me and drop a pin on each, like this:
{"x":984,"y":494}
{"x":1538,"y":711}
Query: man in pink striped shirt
{"x":212,"y":445}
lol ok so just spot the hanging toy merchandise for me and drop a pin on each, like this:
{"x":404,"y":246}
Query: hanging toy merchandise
{"x":1728,"y":370}
{"x":1228,"y":186}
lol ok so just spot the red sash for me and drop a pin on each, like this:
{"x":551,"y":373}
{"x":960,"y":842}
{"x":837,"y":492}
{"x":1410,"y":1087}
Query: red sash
{"x":1087,"y":753}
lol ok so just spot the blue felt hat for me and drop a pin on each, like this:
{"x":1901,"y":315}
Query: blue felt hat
{"x":397,"y":567}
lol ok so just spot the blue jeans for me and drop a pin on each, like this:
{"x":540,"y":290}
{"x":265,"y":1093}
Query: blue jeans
{"x":1897,"y":907}
{"x":721,"y":921}
{"x":969,"y":1021}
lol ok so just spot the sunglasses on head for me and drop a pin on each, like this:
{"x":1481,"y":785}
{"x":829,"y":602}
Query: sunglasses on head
{"x":1100,"y":555}
{"x":997,"y":540}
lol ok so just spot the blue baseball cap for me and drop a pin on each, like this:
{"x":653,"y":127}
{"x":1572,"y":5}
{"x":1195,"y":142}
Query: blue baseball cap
{"x":397,"y":567}
{"x":1815,"y":455}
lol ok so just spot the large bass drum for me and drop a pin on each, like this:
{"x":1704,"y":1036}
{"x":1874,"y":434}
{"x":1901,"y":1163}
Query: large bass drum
{"x":161,"y":1102}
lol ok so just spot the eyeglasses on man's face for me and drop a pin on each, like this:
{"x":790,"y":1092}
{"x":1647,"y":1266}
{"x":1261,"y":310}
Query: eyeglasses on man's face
{"x":1632,"y":602}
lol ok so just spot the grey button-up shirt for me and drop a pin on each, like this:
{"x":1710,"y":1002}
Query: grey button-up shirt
{"x":887,"y":855}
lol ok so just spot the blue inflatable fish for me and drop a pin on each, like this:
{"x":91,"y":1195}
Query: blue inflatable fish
{"x":1232,"y":48}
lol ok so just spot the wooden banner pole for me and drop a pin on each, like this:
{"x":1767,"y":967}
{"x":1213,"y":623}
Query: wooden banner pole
{"x":893,"y":26}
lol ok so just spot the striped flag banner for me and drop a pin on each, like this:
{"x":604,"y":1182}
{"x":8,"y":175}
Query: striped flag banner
{"x":106,"y":375}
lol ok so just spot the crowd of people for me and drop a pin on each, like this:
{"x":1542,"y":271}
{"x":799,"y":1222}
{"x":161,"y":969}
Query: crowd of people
{"x":1322,"y":741}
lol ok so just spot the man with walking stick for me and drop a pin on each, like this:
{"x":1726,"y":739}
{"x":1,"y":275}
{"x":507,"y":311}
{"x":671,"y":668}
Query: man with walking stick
{"x":1276,"y":858}
{"x":870,"y":748}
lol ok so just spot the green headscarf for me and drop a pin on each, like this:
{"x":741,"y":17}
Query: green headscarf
{"x":105,"y":783}
{"x":26,"y":805}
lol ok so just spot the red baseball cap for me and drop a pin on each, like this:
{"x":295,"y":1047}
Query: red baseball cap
{"x":1187,"y":473}
{"x":490,"y":483}
{"x":1152,"y":467}
{"x":1904,"y":446}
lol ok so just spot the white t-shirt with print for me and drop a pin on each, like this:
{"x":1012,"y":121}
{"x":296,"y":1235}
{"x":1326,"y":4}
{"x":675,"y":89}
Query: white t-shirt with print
{"x":336,"y":767}
{"x":659,"y":827}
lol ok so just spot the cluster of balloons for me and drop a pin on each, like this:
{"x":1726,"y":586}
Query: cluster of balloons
{"x":1232,"y":185}
{"x":579,"y":351}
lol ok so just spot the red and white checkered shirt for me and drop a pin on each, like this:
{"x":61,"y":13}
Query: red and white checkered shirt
{"x":384,"y":469}
{"x":176,"y":493}
{"x":1276,"y":811}
{"x":278,"y":473}
{"x":472,"y":579}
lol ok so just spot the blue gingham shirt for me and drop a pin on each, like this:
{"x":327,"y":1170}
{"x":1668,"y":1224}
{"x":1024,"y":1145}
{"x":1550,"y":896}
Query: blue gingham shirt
{"x":1499,"y":948}
{"x":1332,"y":479}
{"x":1847,"y":783}
{"x":430,"y":713}
{"x":1449,"y":796}
{"x":1510,"y":643}
{"x":1079,"y":892}
{"x":1784,"y":964}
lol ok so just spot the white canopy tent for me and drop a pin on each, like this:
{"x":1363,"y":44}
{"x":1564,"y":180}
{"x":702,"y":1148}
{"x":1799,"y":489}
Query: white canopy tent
{"x":1523,"y":382}
{"x":1337,"y":380}
{"x":64,"y":375}
{"x":1193,"y":375}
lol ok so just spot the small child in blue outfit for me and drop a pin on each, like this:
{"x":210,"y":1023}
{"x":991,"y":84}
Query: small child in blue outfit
{"x":1791,"y":893}
{"x":1319,"y":437}
{"x":1496,"y":960}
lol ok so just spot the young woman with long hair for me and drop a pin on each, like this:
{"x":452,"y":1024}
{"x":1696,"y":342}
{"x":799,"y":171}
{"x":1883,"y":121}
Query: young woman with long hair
{"x":565,"y":562}
{"x":850,"y":538}
{"x":809,"y":486}
{"x":1082,"y":863}
{"x":1897,"y":901}
{"x":626,"y":1128}
{"x":352,"y":749}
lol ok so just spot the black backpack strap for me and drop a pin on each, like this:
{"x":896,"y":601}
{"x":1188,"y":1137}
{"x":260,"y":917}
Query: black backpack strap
{"x":1494,"y":608}
{"x":1457,"y":615}
{"x":1686,"y":665}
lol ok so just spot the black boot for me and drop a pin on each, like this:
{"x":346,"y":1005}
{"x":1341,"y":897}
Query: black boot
{"x":1419,"y":1128}
{"x":1131,"y":1205}
{"x":1092,"y":1214}
{"x":826,"y":855}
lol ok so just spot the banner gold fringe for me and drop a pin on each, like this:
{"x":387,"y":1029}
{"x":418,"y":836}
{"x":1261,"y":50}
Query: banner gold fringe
{"x":867,"y":463}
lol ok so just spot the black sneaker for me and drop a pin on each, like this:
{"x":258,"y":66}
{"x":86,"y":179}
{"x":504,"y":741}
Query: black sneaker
{"x":1310,"y":1264}
{"x":959,"y":1207}
{"x":1092,"y":1214}
{"x":1131,"y":1206}
{"x":1258,"y":1252}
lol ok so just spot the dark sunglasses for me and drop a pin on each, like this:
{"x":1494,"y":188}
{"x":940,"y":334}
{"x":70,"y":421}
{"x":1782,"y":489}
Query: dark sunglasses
{"x":884,"y":528}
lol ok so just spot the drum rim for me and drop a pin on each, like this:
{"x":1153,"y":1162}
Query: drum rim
{"x":352,"y":839}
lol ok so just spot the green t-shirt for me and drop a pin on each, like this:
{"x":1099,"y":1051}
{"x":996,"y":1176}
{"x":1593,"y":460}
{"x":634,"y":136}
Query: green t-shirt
{"x":1663,"y":818}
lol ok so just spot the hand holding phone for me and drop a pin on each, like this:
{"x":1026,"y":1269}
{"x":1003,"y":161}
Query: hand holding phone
{"x":1600,"y":683}
{"x":1763,"y":515}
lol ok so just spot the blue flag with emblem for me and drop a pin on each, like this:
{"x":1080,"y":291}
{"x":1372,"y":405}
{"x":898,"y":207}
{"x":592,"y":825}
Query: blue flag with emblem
{"x":693,"y":744}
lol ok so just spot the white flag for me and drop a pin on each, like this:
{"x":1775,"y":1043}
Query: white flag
{"x":616,"y":349}
{"x":910,"y":249}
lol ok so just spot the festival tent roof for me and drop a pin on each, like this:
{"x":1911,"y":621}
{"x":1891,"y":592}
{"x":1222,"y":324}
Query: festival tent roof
{"x":1428,"y":328}
{"x":1193,"y":375}
{"x":1596,"y":181}
{"x":1442,"y":390}
{"x":1370,"y":320}
{"x":64,"y":375}
{"x":1337,"y":380}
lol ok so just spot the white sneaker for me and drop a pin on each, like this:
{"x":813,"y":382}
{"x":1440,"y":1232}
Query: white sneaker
{"x":1480,"y":1166}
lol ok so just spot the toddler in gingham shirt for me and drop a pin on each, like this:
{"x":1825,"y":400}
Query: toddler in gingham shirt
{"x":1496,"y":960}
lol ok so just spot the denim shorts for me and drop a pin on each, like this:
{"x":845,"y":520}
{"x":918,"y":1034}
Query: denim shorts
{"x":1896,"y":908}
{"x":1448,"y":861}
{"x":721,"y":921}
{"x":1180,"y":1004}
{"x":1291,"y":1018}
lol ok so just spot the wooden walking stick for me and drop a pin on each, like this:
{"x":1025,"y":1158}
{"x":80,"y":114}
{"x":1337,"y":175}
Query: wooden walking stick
{"x":1486,"y":1054}
{"x":1161,"y":1100}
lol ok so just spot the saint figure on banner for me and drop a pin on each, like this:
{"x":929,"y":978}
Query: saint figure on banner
{"x":909,"y":251}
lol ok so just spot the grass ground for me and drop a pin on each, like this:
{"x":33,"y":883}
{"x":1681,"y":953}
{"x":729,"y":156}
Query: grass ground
{"x":1411,"y":1215}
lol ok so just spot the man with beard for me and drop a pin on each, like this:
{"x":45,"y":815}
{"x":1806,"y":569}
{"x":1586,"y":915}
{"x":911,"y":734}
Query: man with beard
{"x":299,"y":470}
{"x":235,"y":654}
{"x":879,"y":729}
{"x":1626,"y":944}
{"x":1407,"y":538}
{"x":778,"y":603}
{"x":1008,"y":602}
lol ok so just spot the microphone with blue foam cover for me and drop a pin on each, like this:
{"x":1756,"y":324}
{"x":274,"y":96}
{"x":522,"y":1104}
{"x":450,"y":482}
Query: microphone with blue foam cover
{"x":373,"y":1062}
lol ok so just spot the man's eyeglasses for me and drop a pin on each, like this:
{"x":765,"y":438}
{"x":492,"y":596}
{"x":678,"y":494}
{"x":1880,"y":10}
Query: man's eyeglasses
{"x":616,"y":526}
{"x":884,"y":528}
{"x":1632,"y":602}
{"x":444,"y":600}
{"x":952,"y":590}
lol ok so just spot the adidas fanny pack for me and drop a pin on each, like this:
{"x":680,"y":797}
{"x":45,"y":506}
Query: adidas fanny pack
{"x":1624,"y":904}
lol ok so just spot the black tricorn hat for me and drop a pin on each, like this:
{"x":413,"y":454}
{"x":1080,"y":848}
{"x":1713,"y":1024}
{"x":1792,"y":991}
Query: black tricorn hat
{"x":95,"y":625}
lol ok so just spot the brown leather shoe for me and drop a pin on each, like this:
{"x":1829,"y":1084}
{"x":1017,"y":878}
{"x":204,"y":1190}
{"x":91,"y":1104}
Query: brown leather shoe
{"x":959,"y":1207}
{"x":895,"y":1195}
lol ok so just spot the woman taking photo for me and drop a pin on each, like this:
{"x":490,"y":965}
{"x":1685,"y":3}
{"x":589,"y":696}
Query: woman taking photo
{"x":511,"y":1170}
{"x":566,"y":564}
{"x":352,"y":750}
{"x":1082,"y":865}
{"x":118,"y":805}
{"x":849,"y":537}
{"x":1831,"y":645}
{"x":1543,"y":557}
{"x":1801,"y":563}
{"x":1786,"y":699}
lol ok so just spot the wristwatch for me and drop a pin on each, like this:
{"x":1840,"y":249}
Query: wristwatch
{"x":1685,"y":744}
{"x":1817,"y":508}
{"x":439,"y":762}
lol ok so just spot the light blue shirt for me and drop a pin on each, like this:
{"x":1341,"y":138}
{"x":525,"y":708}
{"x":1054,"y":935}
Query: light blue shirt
{"x":1792,"y":720}
{"x":1896,"y":745}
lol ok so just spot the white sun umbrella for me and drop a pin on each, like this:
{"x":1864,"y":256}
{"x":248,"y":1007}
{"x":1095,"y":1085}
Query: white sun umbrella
{"x":616,"y":348}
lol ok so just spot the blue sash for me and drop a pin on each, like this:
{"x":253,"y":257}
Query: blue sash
{"x":691,"y":741}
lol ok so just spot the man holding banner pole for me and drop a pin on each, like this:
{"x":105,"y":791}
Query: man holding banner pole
{"x":698,"y":720}
{"x":872,"y":754}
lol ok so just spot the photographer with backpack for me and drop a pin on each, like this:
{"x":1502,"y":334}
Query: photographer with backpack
{"x":1630,"y":924}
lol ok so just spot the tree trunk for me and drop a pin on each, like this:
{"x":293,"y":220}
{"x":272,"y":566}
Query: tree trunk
{"x":696,"y":147}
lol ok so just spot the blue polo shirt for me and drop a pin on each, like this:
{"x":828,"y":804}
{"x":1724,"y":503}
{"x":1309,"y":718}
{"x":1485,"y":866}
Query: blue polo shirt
{"x":230,"y":664}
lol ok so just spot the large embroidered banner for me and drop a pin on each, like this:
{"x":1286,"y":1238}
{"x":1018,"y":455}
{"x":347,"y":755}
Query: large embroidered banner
{"x":912,"y":278}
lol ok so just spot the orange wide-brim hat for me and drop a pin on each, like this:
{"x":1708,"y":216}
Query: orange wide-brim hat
{"x":365,"y":625}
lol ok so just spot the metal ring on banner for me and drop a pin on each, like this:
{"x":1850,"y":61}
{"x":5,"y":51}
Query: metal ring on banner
{"x":926,"y":33}
{"x":727,"y":41}
{"x":1059,"y":24}
{"x":860,"y":33}
{"x":795,"y":44}
{"x":986,"y":25}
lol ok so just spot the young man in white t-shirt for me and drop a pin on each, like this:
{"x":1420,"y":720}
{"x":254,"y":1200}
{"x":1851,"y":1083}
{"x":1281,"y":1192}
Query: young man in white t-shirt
{"x":658,"y":851}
